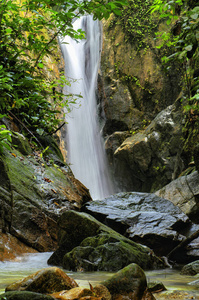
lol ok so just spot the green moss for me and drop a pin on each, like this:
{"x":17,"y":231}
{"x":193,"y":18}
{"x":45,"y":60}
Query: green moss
{"x":137,"y":22}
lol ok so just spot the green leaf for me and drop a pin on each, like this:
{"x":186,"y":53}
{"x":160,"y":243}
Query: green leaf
{"x":8,"y":30}
{"x":40,"y":65}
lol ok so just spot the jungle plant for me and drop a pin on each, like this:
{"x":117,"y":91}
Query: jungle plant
{"x":5,"y":138}
{"x":184,"y":39}
{"x":29,"y":32}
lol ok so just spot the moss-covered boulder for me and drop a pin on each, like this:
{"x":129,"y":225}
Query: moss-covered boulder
{"x":86,"y":244}
{"x":33,"y":191}
{"x":131,"y":280}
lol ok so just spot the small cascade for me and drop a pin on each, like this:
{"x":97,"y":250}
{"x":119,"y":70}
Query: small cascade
{"x":85,"y":147}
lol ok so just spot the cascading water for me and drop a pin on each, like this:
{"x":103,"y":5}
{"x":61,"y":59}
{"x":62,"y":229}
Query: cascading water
{"x":84,"y":143}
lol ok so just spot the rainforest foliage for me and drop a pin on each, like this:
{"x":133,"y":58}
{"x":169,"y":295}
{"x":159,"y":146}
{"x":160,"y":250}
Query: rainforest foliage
{"x":183,"y":19}
{"x":29,"y":31}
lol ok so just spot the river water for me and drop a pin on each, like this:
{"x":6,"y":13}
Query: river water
{"x":11,"y":271}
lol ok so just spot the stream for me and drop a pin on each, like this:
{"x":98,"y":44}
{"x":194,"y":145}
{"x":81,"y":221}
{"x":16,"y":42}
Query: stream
{"x":11,"y":271}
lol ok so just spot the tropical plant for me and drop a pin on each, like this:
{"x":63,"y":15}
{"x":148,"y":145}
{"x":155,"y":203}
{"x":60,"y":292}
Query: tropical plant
{"x":183,"y":18}
{"x":29,"y":31}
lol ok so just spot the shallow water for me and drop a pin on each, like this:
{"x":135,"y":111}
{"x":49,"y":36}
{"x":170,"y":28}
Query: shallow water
{"x":11,"y":271}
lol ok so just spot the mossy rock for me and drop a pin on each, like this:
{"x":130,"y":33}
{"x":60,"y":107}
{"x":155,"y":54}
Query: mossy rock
{"x":52,"y":150}
{"x":31,"y":194}
{"x":21,"y":143}
{"x":156,"y":286}
{"x":105,"y":253}
{"x":87,"y":244}
{"x":129,"y":279}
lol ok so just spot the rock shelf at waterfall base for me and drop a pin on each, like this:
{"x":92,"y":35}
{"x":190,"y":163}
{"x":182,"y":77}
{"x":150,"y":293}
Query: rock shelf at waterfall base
{"x":150,"y":220}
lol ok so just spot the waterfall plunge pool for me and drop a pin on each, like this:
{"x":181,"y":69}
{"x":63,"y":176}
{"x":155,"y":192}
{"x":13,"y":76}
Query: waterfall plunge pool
{"x":11,"y":271}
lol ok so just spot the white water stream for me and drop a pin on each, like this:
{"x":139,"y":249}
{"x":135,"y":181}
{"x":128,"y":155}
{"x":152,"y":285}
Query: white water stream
{"x":84,"y":143}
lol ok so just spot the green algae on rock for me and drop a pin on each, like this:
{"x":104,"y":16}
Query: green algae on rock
{"x":87,"y":244}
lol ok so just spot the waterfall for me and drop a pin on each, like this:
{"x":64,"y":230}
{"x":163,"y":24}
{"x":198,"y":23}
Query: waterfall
{"x":84,"y":143}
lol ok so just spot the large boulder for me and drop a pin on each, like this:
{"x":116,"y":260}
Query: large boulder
{"x":131,"y":281}
{"x":33,"y":191}
{"x":45,"y":281}
{"x":86,"y":244}
{"x":150,"y":159}
{"x":184,"y":193}
{"x":147,"y":219}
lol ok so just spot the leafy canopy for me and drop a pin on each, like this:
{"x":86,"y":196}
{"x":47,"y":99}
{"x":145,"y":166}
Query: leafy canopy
{"x":28,"y":36}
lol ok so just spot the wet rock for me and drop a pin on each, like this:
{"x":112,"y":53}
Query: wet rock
{"x":24,"y":296}
{"x":45,"y":281}
{"x":148,"y":295}
{"x":150,"y":159}
{"x":86,"y":244}
{"x":194,"y":283}
{"x":21,"y":143}
{"x":101,"y":291}
{"x":191,"y":268}
{"x":11,"y":247}
{"x":73,"y":294}
{"x":133,"y":90}
{"x":156,"y":287}
{"x":184,"y":193}
{"x":32,"y":194}
{"x":133,"y":79}
{"x":130,"y":281}
{"x":145,"y":218}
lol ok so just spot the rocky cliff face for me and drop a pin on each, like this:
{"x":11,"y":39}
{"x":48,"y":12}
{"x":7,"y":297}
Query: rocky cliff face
{"x":133,"y":88}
